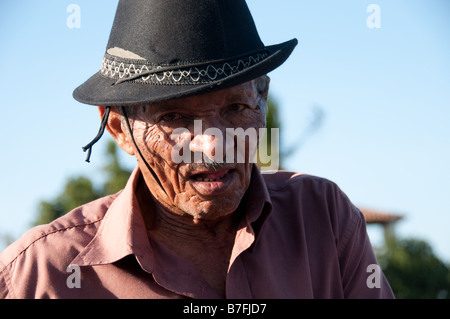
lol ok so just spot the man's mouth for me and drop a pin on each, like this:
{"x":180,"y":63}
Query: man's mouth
{"x":212,"y":182}
{"x":210,"y":177}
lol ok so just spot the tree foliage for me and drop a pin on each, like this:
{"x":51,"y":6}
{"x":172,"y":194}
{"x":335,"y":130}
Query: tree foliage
{"x":80,"y":189}
{"x":272,"y":122}
{"x":413,"y":270}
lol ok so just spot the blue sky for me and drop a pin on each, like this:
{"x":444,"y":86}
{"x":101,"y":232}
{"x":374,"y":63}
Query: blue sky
{"x":385,"y":94}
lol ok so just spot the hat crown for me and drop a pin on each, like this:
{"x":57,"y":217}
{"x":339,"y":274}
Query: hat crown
{"x":182,"y":31}
{"x":160,"y":50}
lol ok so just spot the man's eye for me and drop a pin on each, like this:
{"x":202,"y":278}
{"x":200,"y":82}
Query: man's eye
{"x":171,"y":117}
{"x":236,"y":107}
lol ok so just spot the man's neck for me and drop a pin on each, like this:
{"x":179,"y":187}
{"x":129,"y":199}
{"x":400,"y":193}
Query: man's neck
{"x":207,"y":244}
{"x":185,"y":231}
{"x":174,"y":227}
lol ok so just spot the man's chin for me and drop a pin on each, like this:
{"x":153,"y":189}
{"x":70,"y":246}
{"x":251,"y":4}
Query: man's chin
{"x":213,"y":209}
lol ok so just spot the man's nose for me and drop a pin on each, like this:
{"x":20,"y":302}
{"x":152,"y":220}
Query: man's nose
{"x":210,"y":143}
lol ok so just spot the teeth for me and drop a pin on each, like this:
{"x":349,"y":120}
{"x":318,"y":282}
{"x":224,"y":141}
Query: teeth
{"x":201,"y":179}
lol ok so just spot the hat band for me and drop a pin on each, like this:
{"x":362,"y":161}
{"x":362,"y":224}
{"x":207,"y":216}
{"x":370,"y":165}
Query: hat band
{"x":196,"y":73}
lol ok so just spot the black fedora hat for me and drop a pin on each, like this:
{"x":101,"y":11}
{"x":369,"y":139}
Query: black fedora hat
{"x":166,"y":49}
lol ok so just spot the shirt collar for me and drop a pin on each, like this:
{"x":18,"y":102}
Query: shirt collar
{"x":257,"y":206}
{"x":257,"y":199}
{"x":123,"y":232}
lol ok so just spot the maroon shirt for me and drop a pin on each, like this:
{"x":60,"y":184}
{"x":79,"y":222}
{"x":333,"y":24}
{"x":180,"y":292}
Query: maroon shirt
{"x":300,"y":238}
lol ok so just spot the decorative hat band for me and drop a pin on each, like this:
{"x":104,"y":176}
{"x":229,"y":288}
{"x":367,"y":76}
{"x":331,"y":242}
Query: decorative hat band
{"x":138,"y":70}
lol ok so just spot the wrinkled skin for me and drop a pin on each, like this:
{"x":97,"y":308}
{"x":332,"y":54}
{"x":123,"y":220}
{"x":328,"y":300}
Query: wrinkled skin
{"x":153,"y":128}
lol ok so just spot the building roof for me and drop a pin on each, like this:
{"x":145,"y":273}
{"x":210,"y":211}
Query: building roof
{"x":377,"y":217}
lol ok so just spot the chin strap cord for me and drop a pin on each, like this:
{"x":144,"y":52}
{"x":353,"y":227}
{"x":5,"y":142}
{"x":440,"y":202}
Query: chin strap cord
{"x":124,"y":112}
{"x":104,"y":121}
{"x":99,"y":134}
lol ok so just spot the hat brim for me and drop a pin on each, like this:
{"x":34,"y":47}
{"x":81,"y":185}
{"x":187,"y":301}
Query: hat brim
{"x":101,"y":91}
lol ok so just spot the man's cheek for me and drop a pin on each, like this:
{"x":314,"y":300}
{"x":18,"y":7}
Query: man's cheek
{"x":180,"y":152}
{"x":158,"y":146}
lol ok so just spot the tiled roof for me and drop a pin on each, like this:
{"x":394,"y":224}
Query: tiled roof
{"x":376,"y":217}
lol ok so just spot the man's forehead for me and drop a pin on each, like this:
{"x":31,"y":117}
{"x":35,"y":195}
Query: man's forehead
{"x":245,"y":92}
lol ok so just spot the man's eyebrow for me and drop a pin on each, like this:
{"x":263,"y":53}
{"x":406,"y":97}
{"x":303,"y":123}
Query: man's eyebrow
{"x":240,"y":96}
{"x":161,"y":107}
{"x":242,"y":99}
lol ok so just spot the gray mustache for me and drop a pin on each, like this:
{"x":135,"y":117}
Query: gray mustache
{"x":208,"y":164}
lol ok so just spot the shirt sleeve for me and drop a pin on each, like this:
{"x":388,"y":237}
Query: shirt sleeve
{"x":362,"y":277}
{"x":4,"y":291}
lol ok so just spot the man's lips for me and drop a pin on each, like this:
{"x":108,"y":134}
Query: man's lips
{"x":210,"y":176}
{"x":212,"y":182}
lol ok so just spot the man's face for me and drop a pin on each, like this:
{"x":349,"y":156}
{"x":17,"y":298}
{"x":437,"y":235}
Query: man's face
{"x":166,"y":130}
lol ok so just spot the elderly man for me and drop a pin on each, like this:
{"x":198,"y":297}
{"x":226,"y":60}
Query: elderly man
{"x":209,"y":228}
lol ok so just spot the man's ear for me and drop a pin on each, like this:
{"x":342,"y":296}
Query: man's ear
{"x":114,"y":127}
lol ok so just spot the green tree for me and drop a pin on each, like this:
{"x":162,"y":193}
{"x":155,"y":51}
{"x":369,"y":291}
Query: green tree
{"x":80,"y":190}
{"x":413,"y":270}
{"x":117,"y":175}
{"x":77,"y":191}
{"x":272,"y":121}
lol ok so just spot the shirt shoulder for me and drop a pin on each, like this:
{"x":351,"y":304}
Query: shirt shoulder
{"x":284,"y":181}
{"x":79,"y":219}
{"x":316,"y":203}
{"x":55,"y":243}
{"x":312,"y":214}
